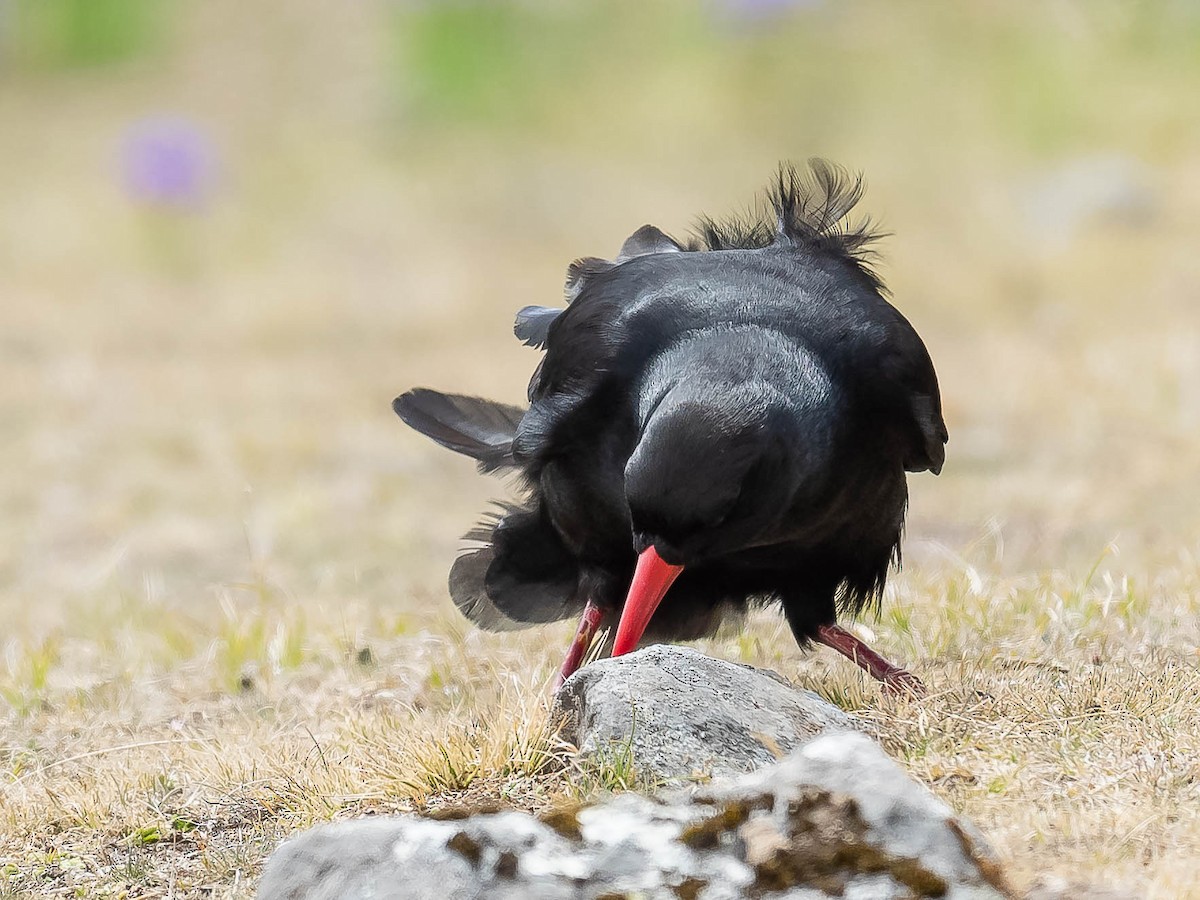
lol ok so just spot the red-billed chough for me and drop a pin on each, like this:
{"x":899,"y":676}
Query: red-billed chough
{"x":713,"y":425}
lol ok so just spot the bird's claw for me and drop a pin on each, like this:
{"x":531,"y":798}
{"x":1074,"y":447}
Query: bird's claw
{"x":901,"y":683}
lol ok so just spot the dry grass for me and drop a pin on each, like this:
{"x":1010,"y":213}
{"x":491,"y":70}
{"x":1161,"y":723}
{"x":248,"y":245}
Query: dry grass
{"x":222,"y":559}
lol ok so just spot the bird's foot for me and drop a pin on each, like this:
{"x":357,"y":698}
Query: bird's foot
{"x":902,"y":683}
{"x":896,"y":681}
{"x":584,"y":635}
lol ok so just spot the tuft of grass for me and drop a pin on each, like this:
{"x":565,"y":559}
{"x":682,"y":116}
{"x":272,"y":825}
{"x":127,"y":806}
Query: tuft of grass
{"x":607,"y":770}
{"x":26,"y":685}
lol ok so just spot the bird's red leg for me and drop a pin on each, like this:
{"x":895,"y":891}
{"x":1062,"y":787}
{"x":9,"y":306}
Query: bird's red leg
{"x":586,"y":633}
{"x":894,"y":678}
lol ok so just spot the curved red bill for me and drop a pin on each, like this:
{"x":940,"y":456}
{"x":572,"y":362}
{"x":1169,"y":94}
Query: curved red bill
{"x":651,"y":580}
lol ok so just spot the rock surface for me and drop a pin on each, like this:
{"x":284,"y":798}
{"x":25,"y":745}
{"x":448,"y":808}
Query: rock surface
{"x":836,"y":818}
{"x":680,"y":714}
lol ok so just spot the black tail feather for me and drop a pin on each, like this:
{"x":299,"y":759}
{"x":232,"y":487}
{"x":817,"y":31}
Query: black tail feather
{"x":467,"y":578}
{"x":478,"y":428}
{"x":520,"y":576}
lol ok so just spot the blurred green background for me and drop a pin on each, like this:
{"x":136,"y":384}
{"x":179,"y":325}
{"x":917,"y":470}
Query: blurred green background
{"x":231,"y":232}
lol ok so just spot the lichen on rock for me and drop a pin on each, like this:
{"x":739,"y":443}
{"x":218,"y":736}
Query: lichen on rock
{"x":836,"y":818}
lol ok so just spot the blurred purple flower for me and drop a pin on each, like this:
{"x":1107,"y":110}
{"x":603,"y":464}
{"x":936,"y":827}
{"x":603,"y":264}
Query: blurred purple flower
{"x":763,"y":12}
{"x":168,"y":162}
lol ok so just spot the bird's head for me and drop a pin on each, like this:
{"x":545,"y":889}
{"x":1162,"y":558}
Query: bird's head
{"x":718,"y":467}
{"x":707,"y":479}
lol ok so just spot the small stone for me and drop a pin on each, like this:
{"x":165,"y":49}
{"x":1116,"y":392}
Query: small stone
{"x":681,"y":715}
{"x":1064,"y":201}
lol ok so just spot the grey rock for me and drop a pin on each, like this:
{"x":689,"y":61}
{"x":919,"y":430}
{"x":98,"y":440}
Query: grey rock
{"x":899,"y":813}
{"x":1105,"y":188}
{"x":836,"y":818}
{"x":679,"y":714}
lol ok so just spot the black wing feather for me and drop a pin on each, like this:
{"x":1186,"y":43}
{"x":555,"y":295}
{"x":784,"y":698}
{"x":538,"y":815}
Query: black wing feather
{"x":533,"y":325}
{"x":478,"y":428}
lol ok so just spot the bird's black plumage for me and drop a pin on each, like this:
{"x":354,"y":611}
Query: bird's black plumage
{"x":747,"y":403}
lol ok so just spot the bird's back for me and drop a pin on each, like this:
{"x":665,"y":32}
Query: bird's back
{"x":628,"y":316}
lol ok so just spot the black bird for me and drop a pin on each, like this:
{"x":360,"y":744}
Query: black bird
{"x":731,"y":419}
